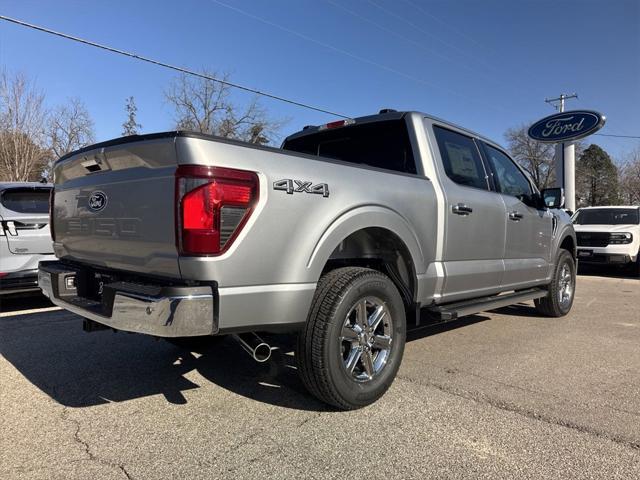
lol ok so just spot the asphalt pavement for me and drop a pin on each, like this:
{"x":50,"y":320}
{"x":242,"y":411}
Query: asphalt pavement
{"x":506,"y":394}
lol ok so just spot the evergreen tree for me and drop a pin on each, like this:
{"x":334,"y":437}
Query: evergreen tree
{"x":596,"y":178}
{"x":131,"y":126}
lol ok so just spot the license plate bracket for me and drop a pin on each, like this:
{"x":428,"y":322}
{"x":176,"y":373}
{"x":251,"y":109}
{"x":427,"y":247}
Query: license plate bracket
{"x":96,"y":284}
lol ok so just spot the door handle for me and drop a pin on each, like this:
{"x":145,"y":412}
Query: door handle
{"x":515,"y":215}
{"x":461,"y":209}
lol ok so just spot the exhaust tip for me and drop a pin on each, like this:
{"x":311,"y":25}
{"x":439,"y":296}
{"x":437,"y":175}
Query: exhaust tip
{"x":262,"y":353}
{"x":257,"y":348}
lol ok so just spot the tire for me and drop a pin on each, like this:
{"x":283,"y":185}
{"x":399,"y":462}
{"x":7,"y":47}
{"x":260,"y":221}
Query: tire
{"x":340,"y":362}
{"x":564,"y":279}
{"x":635,"y":266}
{"x":194,"y":343}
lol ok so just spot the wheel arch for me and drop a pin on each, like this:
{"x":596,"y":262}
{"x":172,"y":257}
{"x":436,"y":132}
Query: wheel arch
{"x":376,"y":237}
{"x":568,"y":242}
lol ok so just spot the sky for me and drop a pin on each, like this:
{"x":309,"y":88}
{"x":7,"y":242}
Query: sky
{"x":486,"y":65}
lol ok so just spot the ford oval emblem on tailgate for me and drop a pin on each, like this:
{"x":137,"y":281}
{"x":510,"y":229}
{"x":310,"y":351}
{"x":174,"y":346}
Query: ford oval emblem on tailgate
{"x":97,"y":201}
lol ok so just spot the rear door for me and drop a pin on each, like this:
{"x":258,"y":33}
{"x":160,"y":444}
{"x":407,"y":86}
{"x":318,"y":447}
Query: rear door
{"x":529,"y":229}
{"x":24,"y":214}
{"x":474,"y":219}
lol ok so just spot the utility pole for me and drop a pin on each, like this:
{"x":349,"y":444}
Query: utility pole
{"x":565,"y":158}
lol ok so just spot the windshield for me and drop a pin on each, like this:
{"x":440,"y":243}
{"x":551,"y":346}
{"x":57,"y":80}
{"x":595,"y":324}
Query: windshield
{"x":607,"y":216}
{"x":26,"y":200}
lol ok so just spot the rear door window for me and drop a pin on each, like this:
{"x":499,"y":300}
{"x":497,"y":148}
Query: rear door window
{"x":461,"y":159}
{"x":383,"y":144}
{"x":26,"y":200}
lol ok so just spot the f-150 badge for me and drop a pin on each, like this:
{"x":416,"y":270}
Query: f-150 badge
{"x":300,"y":186}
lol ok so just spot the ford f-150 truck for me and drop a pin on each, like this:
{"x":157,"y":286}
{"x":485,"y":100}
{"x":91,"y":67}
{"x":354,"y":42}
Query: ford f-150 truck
{"x":345,"y":235}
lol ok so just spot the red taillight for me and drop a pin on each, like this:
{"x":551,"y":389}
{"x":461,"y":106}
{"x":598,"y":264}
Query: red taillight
{"x":212,"y":206}
{"x":51,"y":200}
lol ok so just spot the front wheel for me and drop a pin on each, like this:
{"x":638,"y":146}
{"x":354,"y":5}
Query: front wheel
{"x":562,"y":288}
{"x":351,"y":347}
{"x":635,"y":266}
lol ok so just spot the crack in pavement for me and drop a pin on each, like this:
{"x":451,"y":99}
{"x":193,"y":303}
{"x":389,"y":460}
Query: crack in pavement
{"x":87,"y":448}
{"x":248,"y":440}
{"x":485,"y":400}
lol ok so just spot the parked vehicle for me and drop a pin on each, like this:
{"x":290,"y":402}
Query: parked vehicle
{"x":344,"y":235}
{"x":609,"y":236}
{"x":25,"y":239}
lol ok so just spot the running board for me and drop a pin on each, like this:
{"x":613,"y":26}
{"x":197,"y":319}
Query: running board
{"x":453,"y":311}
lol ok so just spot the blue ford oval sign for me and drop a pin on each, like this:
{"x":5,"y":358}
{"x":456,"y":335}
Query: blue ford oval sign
{"x":567,"y":126}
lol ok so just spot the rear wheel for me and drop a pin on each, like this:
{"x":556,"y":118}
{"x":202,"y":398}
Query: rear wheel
{"x":562,"y":288}
{"x":351,"y":347}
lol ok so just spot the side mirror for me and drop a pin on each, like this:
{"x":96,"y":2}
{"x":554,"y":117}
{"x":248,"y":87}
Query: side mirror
{"x":553,"y":197}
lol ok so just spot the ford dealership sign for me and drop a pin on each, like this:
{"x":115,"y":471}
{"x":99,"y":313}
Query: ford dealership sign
{"x":567,"y":126}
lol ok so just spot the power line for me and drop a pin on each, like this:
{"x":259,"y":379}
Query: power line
{"x":420,"y":45}
{"x":617,"y":136}
{"x":439,"y":20}
{"x":167,"y":65}
{"x":353,"y":55}
{"x":429,"y":34}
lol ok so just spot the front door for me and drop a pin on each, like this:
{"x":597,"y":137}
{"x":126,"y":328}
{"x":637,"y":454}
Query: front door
{"x":474,"y":220}
{"x":529,"y":229}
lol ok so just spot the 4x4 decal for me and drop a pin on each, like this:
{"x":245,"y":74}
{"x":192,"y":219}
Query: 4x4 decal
{"x":300,"y":186}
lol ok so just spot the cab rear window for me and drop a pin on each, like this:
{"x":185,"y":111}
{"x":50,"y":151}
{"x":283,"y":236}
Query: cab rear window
{"x":382,"y":144}
{"x":26,"y":200}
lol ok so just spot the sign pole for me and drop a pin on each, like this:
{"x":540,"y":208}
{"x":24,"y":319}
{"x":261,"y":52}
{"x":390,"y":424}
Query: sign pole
{"x":569,"y":157}
{"x":565,"y":160}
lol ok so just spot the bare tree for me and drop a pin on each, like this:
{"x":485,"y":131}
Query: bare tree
{"x":69,"y":127}
{"x":536,"y":158}
{"x":205,"y":106}
{"x":131,"y":126}
{"x":630,"y":179}
{"x":22,"y":137}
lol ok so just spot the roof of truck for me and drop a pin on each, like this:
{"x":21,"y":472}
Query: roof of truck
{"x":389,"y":115}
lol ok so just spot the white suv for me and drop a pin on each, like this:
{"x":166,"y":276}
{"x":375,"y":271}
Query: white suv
{"x":609,"y":235}
{"x":25,"y":238}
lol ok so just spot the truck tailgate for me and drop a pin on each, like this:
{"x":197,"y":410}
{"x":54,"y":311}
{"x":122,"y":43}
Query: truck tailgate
{"x":114,"y":207}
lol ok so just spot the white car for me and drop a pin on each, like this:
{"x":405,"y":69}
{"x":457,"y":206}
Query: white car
{"x":609,"y":235}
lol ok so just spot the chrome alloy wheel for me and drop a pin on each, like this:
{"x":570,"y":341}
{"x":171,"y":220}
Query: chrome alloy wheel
{"x":366,"y":338}
{"x":565,"y":286}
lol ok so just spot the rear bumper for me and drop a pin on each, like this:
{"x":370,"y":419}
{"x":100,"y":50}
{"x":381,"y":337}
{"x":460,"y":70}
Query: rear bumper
{"x":154,"y":310}
{"x":19,"y":282}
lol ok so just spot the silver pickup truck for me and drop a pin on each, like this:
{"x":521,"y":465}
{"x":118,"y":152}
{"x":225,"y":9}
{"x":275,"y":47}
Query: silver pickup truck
{"x":347,"y":235}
